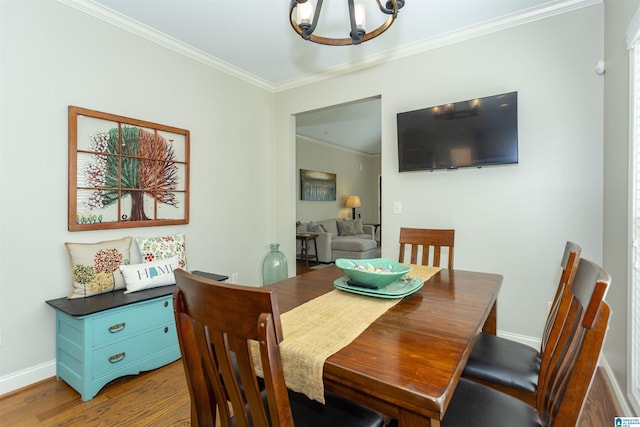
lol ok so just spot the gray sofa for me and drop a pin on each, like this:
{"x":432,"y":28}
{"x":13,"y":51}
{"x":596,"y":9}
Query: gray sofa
{"x":340,"y":238}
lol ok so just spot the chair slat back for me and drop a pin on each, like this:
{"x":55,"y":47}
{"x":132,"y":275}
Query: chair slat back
{"x":568,"y":368}
{"x":422,"y":241}
{"x":569,"y":265}
{"x":215,"y":323}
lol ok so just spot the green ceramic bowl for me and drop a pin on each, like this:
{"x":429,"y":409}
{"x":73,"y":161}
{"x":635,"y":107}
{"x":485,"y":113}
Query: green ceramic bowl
{"x":378,"y":272}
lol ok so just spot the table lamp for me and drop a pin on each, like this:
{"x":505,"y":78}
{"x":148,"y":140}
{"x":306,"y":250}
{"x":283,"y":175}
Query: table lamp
{"x":353,"y":202}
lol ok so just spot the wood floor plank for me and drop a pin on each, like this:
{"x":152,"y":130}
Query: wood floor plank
{"x":160,"y":399}
{"x":600,"y":409}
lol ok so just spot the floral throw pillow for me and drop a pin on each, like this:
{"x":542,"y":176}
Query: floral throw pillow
{"x":95,"y":267}
{"x":157,"y":248}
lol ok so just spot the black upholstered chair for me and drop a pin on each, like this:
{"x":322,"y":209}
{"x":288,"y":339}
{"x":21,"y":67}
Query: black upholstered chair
{"x":566,"y":372}
{"x":215,"y":323}
{"x":513,"y":367}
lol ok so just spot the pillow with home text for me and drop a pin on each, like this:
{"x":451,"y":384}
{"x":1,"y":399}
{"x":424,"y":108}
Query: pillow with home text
{"x":149,"y":274}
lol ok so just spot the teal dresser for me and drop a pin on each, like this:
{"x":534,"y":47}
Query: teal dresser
{"x":107,"y":336}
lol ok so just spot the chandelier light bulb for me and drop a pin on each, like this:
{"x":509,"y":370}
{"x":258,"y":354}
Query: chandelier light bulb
{"x":305,"y":19}
{"x":360,"y":16}
{"x":304,"y":13}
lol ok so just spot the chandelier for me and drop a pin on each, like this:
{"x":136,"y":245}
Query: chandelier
{"x":306,"y":18}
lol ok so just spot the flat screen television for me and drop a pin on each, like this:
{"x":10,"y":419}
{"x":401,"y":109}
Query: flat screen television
{"x":474,"y":133}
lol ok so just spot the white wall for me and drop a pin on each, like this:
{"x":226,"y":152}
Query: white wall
{"x":617,"y":228}
{"x":54,"y":56}
{"x":356,"y":174}
{"x":512,"y":220}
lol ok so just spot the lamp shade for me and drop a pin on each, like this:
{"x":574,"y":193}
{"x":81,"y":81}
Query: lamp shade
{"x":352,"y":202}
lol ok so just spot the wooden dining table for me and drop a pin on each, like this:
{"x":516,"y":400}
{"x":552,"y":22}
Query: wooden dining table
{"x":407,"y":363}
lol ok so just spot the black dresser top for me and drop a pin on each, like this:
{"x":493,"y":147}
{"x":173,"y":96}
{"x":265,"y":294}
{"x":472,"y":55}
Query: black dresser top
{"x":97,"y":303}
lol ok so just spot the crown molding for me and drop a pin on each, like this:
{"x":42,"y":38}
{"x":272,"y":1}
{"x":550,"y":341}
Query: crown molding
{"x":335,"y":146}
{"x":124,"y":22}
{"x":547,"y":10}
{"x":488,"y":27}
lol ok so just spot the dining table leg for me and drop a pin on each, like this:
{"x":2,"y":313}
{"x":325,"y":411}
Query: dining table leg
{"x":411,"y":419}
{"x":491,"y":324}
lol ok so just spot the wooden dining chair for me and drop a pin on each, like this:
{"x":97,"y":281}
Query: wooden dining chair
{"x":566,"y":372}
{"x":513,"y":367}
{"x":422,"y":241}
{"x":215,"y":323}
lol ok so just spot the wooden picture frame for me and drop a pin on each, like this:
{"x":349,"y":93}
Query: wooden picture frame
{"x":125,"y":172}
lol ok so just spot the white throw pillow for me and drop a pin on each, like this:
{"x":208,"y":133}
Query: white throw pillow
{"x":149,"y":274}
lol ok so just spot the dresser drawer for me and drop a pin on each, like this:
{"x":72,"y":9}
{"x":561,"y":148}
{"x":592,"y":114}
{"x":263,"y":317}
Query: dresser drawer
{"x":121,"y":354}
{"x":111,"y":335}
{"x":125,"y":322}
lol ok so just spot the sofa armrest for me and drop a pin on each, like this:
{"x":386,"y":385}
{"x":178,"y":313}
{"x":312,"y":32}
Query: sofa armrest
{"x":370,"y":229}
{"x":324,"y":247}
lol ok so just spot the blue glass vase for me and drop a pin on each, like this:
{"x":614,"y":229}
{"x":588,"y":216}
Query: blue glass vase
{"x":274,"y":266}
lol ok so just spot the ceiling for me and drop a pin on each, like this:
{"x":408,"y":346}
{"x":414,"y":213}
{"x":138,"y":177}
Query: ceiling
{"x":254,"y":39}
{"x":355,"y":125}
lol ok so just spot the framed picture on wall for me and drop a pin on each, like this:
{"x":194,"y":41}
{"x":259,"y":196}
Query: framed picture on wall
{"x":125,"y":172}
{"x":317,"y":185}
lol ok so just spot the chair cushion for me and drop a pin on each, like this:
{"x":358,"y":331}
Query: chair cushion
{"x":336,"y":412}
{"x":236,"y":370}
{"x":505,"y":362}
{"x":353,"y":243}
{"x":474,"y":404}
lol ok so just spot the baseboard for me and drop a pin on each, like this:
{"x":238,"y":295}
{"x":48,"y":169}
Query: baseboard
{"x":618,"y":394}
{"x":45,"y":370}
{"x":26,"y":377}
{"x":523,"y":339}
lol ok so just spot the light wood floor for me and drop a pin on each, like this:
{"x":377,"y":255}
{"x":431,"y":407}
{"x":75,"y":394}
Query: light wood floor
{"x":160,"y":398}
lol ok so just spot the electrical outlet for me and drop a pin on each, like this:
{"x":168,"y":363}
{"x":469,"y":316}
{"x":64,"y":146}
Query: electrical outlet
{"x":234,"y":278}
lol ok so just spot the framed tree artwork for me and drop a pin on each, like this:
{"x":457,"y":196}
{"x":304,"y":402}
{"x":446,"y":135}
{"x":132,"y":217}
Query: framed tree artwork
{"x":125,"y":172}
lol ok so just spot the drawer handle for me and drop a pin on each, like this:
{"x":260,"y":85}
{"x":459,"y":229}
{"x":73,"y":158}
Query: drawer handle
{"x":166,"y":303}
{"x":117,"y":358}
{"x":117,"y":328}
{"x":166,"y":329}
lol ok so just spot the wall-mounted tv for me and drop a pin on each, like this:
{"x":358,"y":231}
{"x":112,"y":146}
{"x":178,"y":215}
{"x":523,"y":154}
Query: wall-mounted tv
{"x":474,"y":133}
